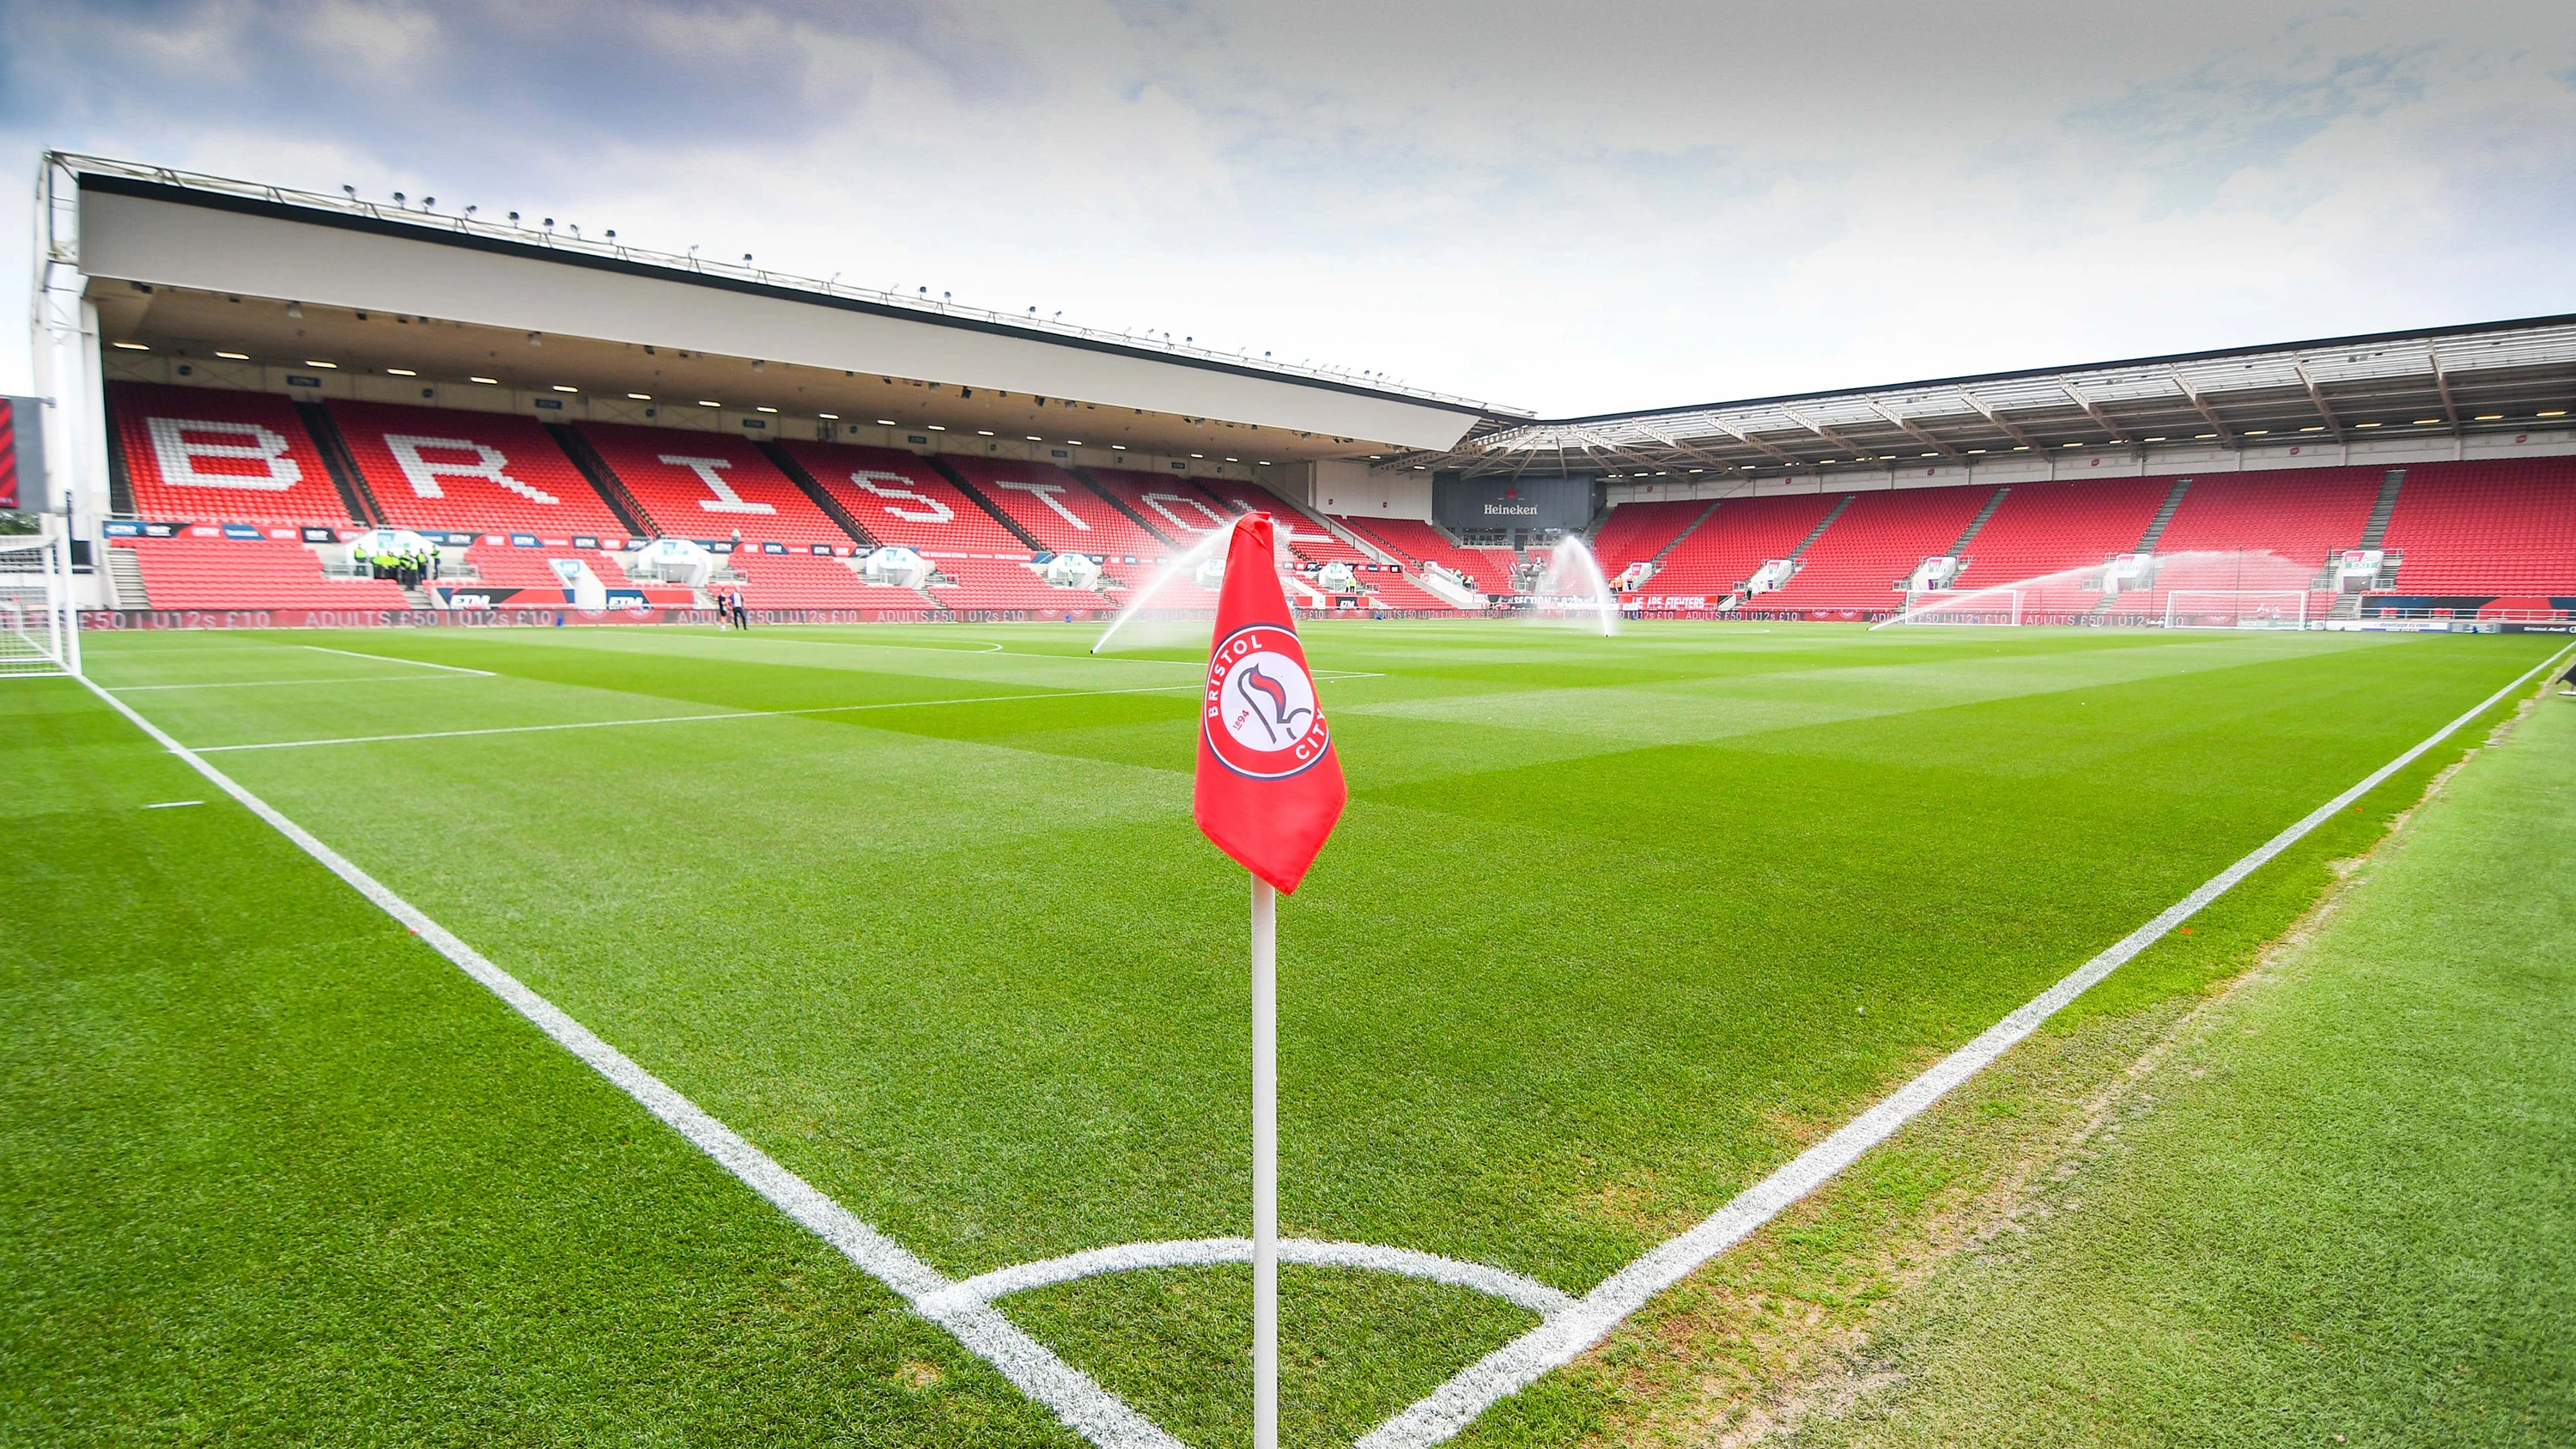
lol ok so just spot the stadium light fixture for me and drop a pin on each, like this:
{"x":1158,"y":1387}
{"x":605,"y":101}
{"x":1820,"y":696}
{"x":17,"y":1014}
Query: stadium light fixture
{"x":1034,"y":438}
{"x":2150,"y":440}
{"x":313,"y":362}
{"x":709,"y":403}
{"x":2314,"y":428}
{"x":936,"y":427}
{"x":641,"y":396}
{"x":2488,"y":418}
{"x":1971,"y":450}
{"x":295,"y":310}
{"x":1927,"y":455}
{"x":400,"y":372}
{"x":131,"y":346}
{"x":2070,"y":445}
{"x":886,"y":422}
{"x":234,"y":356}
{"x":829,"y":417}
{"x":2202,"y":437}
{"x":764,"y":409}
{"x":2022,"y":448}
{"x":1234,"y":460}
{"x":486,"y":381}
{"x":1198,"y":455}
{"x":566,"y":387}
{"x":2426,"y":422}
{"x":1073,"y":442}
{"x":983,"y":432}
{"x":2368,"y":425}
{"x":2256,"y":432}
{"x":2552,"y":413}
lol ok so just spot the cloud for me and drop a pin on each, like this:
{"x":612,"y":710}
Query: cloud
{"x":1570,"y":207}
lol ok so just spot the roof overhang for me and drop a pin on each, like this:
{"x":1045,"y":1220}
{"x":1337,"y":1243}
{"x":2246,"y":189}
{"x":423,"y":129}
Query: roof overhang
{"x":223,"y":240}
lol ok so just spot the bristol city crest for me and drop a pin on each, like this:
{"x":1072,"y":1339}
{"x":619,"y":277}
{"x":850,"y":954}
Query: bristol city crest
{"x":1262,"y":719}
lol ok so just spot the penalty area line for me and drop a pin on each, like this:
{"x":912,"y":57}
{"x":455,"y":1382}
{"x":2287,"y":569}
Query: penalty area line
{"x":1557,"y":1340}
{"x":1088,"y":1409}
{"x":397,"y":659}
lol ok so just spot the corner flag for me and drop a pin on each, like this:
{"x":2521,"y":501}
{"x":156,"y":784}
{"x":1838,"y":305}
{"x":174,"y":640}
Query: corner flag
{"x":1269,"y":790}
{"x":1269,"y":785}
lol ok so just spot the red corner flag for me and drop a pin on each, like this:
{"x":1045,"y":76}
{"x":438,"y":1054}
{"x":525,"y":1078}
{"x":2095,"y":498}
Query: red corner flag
{"x":1269,"y":784}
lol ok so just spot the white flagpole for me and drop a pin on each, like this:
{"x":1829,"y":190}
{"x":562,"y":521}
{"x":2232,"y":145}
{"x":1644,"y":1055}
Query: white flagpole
{"x":1265,"y":1165}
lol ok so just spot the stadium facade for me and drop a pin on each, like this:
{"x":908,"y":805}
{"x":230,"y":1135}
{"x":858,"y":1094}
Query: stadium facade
{"x":244,"y":385}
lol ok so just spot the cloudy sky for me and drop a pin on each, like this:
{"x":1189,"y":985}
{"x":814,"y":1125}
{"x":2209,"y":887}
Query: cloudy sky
{"x":1561,"y":206}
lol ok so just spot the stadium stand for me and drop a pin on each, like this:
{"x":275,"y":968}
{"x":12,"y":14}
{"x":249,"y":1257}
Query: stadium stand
{"x":1173,"y":506}
{"x":219,"y":573}
{"x":2047,"y":528}
{"x":1059,"y":510}
{"x":1737,"y":539}
{"x":1635,"y":532}
{"x":1877,"y":541}
{"x":1308,"y":538}
{"x":710,"y":486}
{"x":440,"y":468}
{"x":2487,"y":528}
{"x":2302,"y":515}
{"x":205,"y":453}
{"x":502,"y":565}
{"x":812,"y":581}
{"x":903,"y":500}
{"x":1413,"y":541}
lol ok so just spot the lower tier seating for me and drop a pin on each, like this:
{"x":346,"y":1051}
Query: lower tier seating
{"x":220,"y":573}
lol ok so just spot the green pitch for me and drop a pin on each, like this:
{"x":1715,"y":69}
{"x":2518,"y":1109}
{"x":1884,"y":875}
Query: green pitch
{"x":1611,"y":929}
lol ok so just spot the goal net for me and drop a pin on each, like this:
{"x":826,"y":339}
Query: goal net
{"x":2236,"y":609}
{"x":37,"y":625}
{"x":1992,"y":606}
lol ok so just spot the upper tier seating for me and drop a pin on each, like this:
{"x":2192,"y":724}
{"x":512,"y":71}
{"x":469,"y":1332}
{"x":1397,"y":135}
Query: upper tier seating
{"x":1307,"y":537}
{"x":2050,"y":528}
{"x":2301,"y":515}
{"x":1175,"y":507}
{"x":1488,"y":570}
{"x":811,"y":581}
{"x":1876,"y":542}
{"x":1059,"y":510}
{"x":203,"y":453}
{"x":489,"y":472}
{"x":222,"y":573}
{"x":2487,"y":528}
{"x":1742,"y":535}
{"x":1635,"y":532}
{"x":899,"y":499}
{"x":710,"y":486}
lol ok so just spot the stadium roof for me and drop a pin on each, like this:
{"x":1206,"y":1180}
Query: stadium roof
{"x":2487,"y":377}
{"x":181,"y":259}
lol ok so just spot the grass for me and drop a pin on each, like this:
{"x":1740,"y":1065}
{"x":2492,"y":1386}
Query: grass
{"x":1610,"y":930}
{"x":2339,"y":1213}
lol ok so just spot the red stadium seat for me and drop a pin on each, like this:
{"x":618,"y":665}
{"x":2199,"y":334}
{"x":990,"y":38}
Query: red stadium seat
{"x":900,"y":499}
{"x":710,"y":486}
{"x":811,"y":581}
{"x":1877,"y":541}
{"x":1636,"y":532}
{"x":1742,"y":535}
{"x":443,"y":468}
{"x":1489,"y":570}
{"x":205,"y":453}
{"x":2487,"y":528}
{"x":221,"y":573}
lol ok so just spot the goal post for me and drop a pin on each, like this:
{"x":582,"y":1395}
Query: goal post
{"x":39,"y":628}
{"x":2236,"y":609}
{"x":1989,"y":606}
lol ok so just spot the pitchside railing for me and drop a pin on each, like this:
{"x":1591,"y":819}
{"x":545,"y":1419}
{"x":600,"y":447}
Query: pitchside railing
{"x":38,"y":631}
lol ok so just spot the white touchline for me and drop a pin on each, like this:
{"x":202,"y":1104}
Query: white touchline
{"x":280,"y":683}
{"x":1560,"y":1337}
{"x":1086,"y":1407}
{"x":602,"y":724}
{"x":171,"y":804}
{"x":396,"y":659}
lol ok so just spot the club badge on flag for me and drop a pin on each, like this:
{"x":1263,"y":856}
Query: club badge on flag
{"x":1269,"y":786}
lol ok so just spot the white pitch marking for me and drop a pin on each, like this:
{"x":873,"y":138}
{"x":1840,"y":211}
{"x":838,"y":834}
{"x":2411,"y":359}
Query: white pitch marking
{"x":1090,"y":1410}
{"x":1558,"y":1338}
{"x":279,"y":683}
{"x":1501,"y":1283}
{"x":601,"y":724}
{"x":396,"y":659}
{"x":172,"y":804}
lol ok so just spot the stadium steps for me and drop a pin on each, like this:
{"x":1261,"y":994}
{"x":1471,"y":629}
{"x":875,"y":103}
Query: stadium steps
{"x":120,"y":484}
{"x":1690,"y":528}
{"x":125,"y":579}
{"x":806,"y":484}
{"x":2375,"y":531}
{"x":1114,"y":501}
{"x":603,"y":480}
{"x":975,"y":495}
{"x":1822,"y":524}
{"x":337,"y":460}
{"x":2164,"y":516}
{"x":1979,"y":522}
